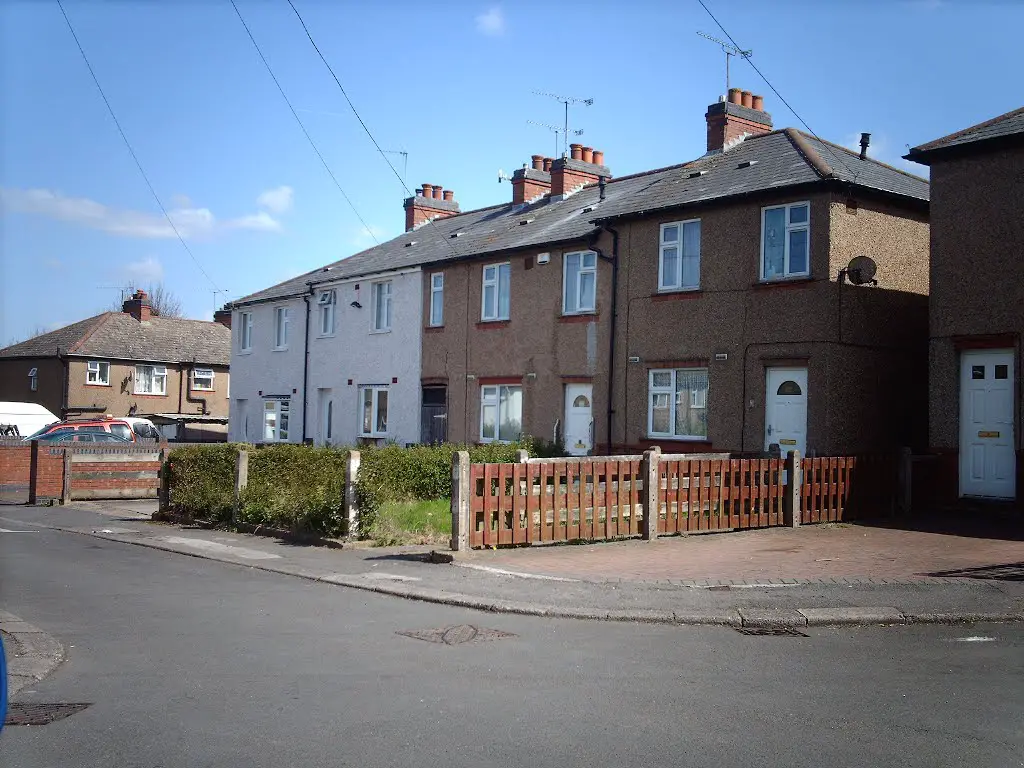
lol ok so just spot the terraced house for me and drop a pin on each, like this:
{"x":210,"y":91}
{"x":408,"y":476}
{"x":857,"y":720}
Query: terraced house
{"x":770,"y":294}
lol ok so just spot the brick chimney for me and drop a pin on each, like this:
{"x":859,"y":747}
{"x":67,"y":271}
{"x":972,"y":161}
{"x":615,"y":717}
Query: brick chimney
{"x":431,"y":202}
{"x":568,"y":174}
{"x":741,"y":113}
{"x":223,"y":316}
{"x":138,"y":306}
{"x":532,"y":182}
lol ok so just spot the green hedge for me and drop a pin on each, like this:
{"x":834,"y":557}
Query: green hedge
{"x":202,"y":480}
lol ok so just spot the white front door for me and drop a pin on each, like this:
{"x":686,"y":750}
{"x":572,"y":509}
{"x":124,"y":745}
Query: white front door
{"x":786,"y":410}
{"x":988,"y":465}
{"x":326,"y":416}
{"x":578,"y":420}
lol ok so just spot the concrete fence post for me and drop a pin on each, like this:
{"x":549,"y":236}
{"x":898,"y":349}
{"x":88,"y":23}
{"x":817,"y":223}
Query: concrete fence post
{"x":460,"y":501}
{"x":793,"y":492}
{"x":241,"y":480}
{"x":522,"y":456}
{"x":351,"y":500}
{"x":65,"y":496}
{"x":33,"y":471}
{"x":904,"y":482}
{"x":165,"y":480}
{"x":651,"y":473}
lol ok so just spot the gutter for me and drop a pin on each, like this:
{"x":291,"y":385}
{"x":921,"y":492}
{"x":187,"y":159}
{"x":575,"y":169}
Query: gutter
{"x":188,"y":392}
{"x":614,"y":261}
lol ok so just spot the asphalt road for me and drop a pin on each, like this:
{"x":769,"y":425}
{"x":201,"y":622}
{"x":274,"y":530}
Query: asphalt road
{"x":189,"y":662}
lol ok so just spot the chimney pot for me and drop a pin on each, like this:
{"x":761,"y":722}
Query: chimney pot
{"x":759,"y":103}
{"x":865,"y":141}
{"x":598,"y":157}
{"x":449,"y":195}
{"x":734,"y":96}
{"x":547,"y":163}
{"x":537,"y":161}
{"x":438,"y":191}
{"x":747,"y":99}
{"x":576,"y":151}
{"x":588,"y":155}
{"x":428,"y":190}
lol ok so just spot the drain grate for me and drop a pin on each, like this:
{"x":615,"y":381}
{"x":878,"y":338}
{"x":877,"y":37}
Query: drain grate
{"x":771,"y":631}
{"x":457,"y":635}
{"x":29,"y":713}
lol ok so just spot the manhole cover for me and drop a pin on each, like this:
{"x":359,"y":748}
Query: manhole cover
{"x":461,"y":633}
{"x":28,"y":713}
{"x":771,"y":631}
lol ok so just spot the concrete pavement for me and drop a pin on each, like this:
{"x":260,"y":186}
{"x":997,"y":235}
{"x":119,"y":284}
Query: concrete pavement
{"x":31,"y":653}
{"x":480,"y":582}
{"x":190,"y":662}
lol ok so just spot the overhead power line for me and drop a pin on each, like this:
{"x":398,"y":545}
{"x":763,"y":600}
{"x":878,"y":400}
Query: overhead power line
{"x":128,"y":144}
{"x":746,"y":58}
{"x":362,"y":122}
{"x":303,"y":127}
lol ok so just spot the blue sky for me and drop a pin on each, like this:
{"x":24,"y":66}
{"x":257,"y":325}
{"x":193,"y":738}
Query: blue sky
{"x":449,"y":83}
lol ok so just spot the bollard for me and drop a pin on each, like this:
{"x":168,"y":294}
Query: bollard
{"x":351,"y":500}
{"x":650,"y":472}
{"x":791,"y":499}
{"x":460,"y":501}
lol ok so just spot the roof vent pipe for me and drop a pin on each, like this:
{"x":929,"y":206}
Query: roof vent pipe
{"x":602,"y":182}
{"x":865,"y":140}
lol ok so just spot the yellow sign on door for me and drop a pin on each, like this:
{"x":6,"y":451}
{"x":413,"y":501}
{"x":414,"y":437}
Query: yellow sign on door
{"x":988,"y":434}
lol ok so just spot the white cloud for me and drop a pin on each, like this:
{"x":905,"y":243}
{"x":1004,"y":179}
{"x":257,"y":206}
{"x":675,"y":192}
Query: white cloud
{"x":181,"y":201}
{"x":145,"y":271}
{"x":277,"y":200}
{"x":190,"y":222}
{"x":491,"y":22}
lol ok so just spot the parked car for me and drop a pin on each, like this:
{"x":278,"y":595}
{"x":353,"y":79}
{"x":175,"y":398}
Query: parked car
{"x":142,"y":427}
{"x":17,"y":419}
{"x":71,"y":436}
{"x":101,"y":425}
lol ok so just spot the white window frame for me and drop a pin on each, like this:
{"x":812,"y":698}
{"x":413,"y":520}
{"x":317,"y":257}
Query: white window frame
{"x":381,"y":291}
{"x":279,"y":408}
{"x":93,"y":370}
{"x":495,"y":282}
{"x":204,"y":374}
{"x":675,"y":282}
{"x":376,"y":389}
{"x":245,"y":332}
{"x":698,"y":399}
{"x":494,"y":400}
{"x":327,"y":301}
{"x":805,"y":226}
{"x":159,"y":375}
{"x":33,"y":379}
{"x":282,"y":319}
{"x":584,"y":305}
{"x":436,"y":319}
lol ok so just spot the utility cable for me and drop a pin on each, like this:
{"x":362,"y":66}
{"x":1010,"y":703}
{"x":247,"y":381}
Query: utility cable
{"x":366,"y":128}
{"x":776,"y":92}
{"x":128,"y":144}
{"x":303,"y":127}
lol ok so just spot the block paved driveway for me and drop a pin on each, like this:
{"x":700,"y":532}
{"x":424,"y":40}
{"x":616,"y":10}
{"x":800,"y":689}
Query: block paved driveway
{"x":820,"y":552}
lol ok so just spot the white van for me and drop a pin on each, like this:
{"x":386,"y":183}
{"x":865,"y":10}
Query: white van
{"x":142,"y":427}
{"x":22,"y":419}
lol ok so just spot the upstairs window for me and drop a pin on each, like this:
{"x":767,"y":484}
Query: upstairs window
{"x":381,"y":299}
{"x":33,"y":379}
{"x":437,"y":299}
{"x":245,"y":332}
{"x":327,"y":301}
{"x":496,"y":300}
{"x":98,"y":373}
{"x":786,"y":237}
{"x":282,"y":317}
{"x":579,"y":283}
{"x":679,"y":265}
{"x":150,"y":379}
{"x":202,"y":379}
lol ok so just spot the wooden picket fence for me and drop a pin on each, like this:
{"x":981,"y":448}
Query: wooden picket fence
{"x":605,"y":498}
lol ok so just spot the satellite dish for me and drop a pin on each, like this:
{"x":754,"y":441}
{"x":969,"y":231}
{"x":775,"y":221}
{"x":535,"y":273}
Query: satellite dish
{"x":861,"y":270}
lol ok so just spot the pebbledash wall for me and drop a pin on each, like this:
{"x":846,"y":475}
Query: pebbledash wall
{"x":340,"y":364}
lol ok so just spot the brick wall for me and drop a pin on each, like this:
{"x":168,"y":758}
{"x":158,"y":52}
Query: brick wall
{"x":15,"y":464}
{"x":48,"y":479}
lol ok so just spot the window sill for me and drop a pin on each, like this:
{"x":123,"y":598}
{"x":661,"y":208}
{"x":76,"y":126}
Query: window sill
{"x":202,"y":391}
{"x":433,"y":328}
{"x":146,"y":394}
{"x":776,"y":282}
{"x":279,"y":349}
{"x":678,"y":438}
{"x":489,"y":324}
{"x":677,"y":293}
{"x":326,"y":335}
{"x":97,"y":385}
{"x":578,"y":317}
{"x":245,"y":351}
{"x":380,"y":330}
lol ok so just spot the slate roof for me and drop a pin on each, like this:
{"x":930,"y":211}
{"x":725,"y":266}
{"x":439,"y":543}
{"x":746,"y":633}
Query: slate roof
{"x":1002,"y":127}
{"x":777,"y":160}
{"x":119,"y":336}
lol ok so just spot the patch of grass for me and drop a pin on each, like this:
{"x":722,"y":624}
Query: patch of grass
{"x":411,"y":522}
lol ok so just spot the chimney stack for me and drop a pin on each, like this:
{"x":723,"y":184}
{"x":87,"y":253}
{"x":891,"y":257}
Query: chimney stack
{"x":529,"y":183}
{"x":741,"y":113}
{"x":223,"y":316}
{"x":432,"y":201}
{"x":138,"y":306}
{"x":569,"y":174}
